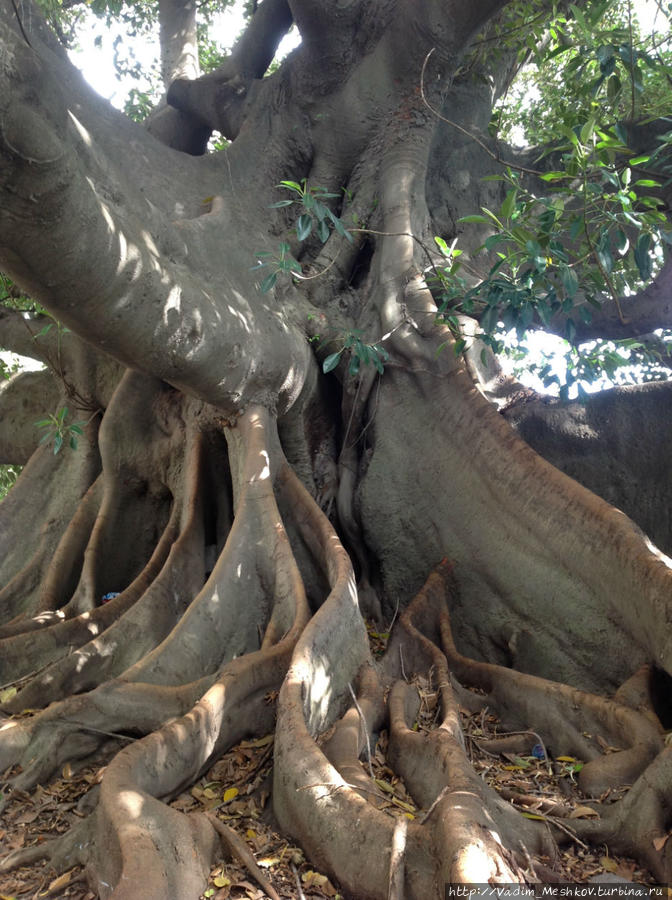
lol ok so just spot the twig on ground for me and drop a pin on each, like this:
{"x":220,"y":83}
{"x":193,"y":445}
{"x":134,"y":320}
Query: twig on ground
{"x":301,"y":895}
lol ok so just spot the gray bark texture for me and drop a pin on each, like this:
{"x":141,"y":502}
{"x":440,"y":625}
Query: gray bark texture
{"x":249,"y":513}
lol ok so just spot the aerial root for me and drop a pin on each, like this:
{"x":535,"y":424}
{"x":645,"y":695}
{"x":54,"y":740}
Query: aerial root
{"x":83,"y":617}
{"x":68,"y":558}
{"x":137,"y":839}
{"x":24,"y":652}
{"x":132,"y":624}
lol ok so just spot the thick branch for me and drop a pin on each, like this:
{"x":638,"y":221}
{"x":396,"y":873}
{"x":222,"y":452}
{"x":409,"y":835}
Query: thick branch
{"x":177,"y":35}
{"x":150,"y":296}
{"x":24,"y":399}
{"x":17,"y":332}
{"x":642,"y":313}
{"x":218,"y":98}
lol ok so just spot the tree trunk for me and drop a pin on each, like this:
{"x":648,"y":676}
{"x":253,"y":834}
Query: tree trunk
{"x":249,"y":512}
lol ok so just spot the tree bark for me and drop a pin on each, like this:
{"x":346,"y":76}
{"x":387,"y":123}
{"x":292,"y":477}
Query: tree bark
{"x":247,"y":511}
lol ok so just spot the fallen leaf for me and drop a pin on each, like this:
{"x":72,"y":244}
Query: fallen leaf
{"x":67,"y":771}
{"x":403,"y":805}
{"x":571,"y":759}
{"x":527,"y":815}
{"x":27,"y":817}
{"x":660,"y":842}
{"x":609,"y":864}
{"x":329,"y":889}
{"x":384,"y":786}
{"x":268,"y":862}
{"x":584,"y":812}
{"x":250,"y":834}
{"x":221,"y":881}
{"x":260,"y":742}
{"x":310,"y":878}
{"x":229,"y":795}
{"x":7,"y":694}
{"x":61,"y":881}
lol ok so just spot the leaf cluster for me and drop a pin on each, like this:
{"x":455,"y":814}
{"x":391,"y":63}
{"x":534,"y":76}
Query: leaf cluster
{"x":315,"y":217}
{"x":58,"y":431}
{"x":588,"y":59}
{"x":598,"y":230}
{"x":360,"y":353}
{"x":316,"y":214}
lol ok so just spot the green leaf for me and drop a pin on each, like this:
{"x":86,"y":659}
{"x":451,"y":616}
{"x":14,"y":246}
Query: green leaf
{"x":58,"y":443}
{"x":613,"y":87}
{"x":323,"y":231}
{"x":292,"y":185}
{"x":281,"y":203}
{"x":643,"y":257}
{"x":509,"y":204}
{"x":338,"y":225}
{"x":605,"y":258}
{"x":588,"y":130}
{"x":73,"y":442}
{"x":638,"y":160}
{"x":570,"y":280}
{"x":268,"y":283}
{"x":621,"y":240}
{"x":353,"y":368}
{"x":331,"y":362}
{"x":320,"y":210}
{"x":478,"y":220}
{"x":76,"y":429}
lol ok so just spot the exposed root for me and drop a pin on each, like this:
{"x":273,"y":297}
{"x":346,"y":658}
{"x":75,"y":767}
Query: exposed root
{"x":469,"y":833}
{"x":639,"y":824}
{"x":132,"y":624}
{"x":137,"y":839}
{"x":39,"y":508}
{"x":569,"y":721}
{"x":203,"y":675}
